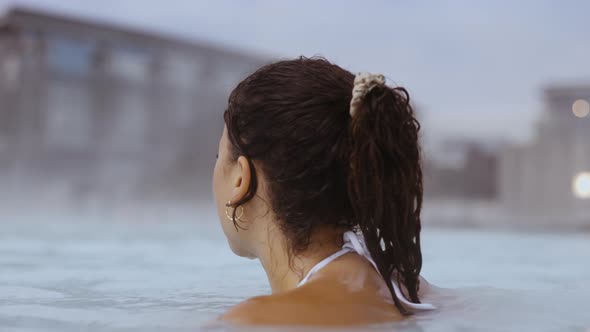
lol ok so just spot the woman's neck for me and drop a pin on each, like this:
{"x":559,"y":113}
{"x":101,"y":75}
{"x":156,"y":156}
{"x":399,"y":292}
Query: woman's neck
{"x":285,"y":270}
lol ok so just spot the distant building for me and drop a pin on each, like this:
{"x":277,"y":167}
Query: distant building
{"x":92,"y":109}
{"x":548,"y":180}
{"x":462,"y":170}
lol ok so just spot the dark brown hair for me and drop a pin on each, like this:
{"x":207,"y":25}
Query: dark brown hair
{"x":325,"y":168}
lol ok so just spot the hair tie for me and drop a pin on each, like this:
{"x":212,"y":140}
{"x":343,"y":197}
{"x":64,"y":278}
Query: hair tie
{"x":363,"y":83}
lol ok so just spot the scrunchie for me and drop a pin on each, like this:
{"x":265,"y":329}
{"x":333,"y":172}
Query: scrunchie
{"x":363,"y":83}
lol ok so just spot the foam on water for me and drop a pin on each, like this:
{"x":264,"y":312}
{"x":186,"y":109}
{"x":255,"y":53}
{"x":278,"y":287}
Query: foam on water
{"x":181,"y":276}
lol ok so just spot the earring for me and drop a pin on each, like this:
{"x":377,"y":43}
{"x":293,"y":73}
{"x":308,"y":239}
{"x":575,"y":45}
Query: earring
{"x":229,"y":215}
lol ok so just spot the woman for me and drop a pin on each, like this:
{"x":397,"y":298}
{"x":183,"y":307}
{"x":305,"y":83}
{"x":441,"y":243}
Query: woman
{"x":318,"y":176}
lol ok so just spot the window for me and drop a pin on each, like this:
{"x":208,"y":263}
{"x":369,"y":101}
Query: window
{"x":68,"y":118}
{"x":69,"y":56}
{"x":181,"y":71}
{"x":131,"y":120}
{"x":130,"y":64}
{"x":10,"y":68}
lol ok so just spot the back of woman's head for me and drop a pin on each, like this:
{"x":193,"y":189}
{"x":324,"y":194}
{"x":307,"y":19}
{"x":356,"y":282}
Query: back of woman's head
{"x":324,"y":166}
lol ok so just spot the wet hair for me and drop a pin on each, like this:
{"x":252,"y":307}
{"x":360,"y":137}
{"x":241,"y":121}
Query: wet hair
{"x":323,"y":167}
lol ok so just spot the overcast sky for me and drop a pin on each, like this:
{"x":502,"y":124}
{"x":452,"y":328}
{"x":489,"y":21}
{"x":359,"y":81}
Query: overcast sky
{"x":475,"y":68}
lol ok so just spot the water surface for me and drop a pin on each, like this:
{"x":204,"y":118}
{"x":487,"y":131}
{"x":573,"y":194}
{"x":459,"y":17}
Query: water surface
{"x":171,"y":276}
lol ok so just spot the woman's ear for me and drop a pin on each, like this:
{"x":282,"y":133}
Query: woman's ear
{"x":242,"y":180}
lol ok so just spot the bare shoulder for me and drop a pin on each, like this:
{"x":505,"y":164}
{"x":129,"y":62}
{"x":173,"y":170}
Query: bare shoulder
{"x":308,"y":306}
{"x":247,"y":312}
{"x":266,"y":310}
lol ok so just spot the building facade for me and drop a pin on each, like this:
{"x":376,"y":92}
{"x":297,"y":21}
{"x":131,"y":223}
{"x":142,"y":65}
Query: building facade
{"x":462,"y":170}
{"x":89,"y":110}
{"x":548,"y":180}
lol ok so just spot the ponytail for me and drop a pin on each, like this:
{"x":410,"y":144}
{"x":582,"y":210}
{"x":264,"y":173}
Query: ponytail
{"x":385,"y":183}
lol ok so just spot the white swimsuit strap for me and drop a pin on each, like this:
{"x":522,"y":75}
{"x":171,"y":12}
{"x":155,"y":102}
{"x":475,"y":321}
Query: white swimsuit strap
{"x":323,"y":263}
{"x":356,"y":242}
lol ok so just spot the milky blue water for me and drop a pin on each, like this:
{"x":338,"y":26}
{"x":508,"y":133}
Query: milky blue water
{"x":172,"y":276}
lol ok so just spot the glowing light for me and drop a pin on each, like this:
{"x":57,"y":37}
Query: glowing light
{"x":581,"y":108}
{"x":581,"y":185}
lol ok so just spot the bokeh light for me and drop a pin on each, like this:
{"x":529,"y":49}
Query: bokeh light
{"x":581,"y":108}
{"x":581,"y":185}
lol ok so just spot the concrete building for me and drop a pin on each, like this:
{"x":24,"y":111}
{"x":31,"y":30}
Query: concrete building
{"x":91,"y":110}
{"x":462,"y":170}
{"x":547,"y":181}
